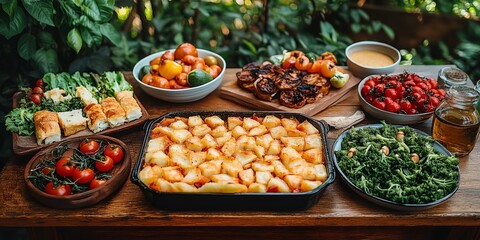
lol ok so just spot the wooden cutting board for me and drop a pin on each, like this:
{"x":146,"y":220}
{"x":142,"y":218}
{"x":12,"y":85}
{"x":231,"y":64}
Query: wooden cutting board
{"x":233,"y":92}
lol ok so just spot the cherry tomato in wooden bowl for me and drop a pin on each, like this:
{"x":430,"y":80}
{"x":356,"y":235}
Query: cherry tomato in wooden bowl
{"x":404,"y":98}
{"x":78,"y":172}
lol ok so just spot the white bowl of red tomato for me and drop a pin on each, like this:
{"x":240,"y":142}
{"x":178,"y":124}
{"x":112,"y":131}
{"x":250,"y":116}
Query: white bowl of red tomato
{"x":404,"y":98}
{"x":78,"y":172}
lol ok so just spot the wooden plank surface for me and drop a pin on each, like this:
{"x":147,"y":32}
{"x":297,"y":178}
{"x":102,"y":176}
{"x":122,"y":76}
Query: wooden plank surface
{"x":338,"y":206}
{"x":233,"y":92}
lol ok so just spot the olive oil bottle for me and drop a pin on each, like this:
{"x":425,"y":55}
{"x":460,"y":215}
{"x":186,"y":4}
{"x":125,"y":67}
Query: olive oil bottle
{"x":456,"y":120}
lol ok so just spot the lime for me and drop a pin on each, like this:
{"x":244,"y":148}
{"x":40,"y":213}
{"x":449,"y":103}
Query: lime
{"x":198,"y":77}
{"x":144,"y":71}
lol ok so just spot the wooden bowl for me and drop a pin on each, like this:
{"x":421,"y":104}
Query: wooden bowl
{"x":119,"y":174}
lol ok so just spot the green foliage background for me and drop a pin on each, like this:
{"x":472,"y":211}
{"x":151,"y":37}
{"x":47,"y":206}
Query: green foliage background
{"x":40,"y":36}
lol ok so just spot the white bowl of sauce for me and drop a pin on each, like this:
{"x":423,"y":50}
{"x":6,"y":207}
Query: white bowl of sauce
{"x":371,"y":58}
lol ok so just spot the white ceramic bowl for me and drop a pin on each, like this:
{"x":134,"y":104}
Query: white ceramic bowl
{"x":363,"y":71}
{"x":180,"y":95}
{"x":389,"y":117}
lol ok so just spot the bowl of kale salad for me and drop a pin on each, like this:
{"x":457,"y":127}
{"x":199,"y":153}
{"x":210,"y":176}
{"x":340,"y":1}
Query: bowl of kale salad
{"x":397,"y":167}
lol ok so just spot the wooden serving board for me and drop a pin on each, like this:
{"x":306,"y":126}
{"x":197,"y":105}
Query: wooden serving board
{"x":23,"y":145}
{"x":233,"y":92}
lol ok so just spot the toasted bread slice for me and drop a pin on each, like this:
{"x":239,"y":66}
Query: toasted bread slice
{"x":114,"y":112}
{"x":129,"y":104}
{"x":47,"y":129}
{"x":72,"y":122}
{"x":97,"y":120}
{"x":86,"y":96}
{"x":57,"y":95}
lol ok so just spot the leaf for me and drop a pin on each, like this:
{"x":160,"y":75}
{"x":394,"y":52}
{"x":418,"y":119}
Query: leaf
{"x":389,"y":31}
{"x":327,"y":29}
{"x":14,"y":26}
{"x":109,"y":32}
{"x":9,"y":6}
{"x":204,"y":12}
{"x":355,"y":16}
{"x":91,"y":37}
{"x":41,"y":10}
{"x":74,"y":40}
{"x":376,"y":25}
{"x":45,"y":40}
{"x":46,"y":60}
{"x":106,"y":9}
{"x":26,"y":46}
{"x":250,"y":46}
{"x":90,"y":8}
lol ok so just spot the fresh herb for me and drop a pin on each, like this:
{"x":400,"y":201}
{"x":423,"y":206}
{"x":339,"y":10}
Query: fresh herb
{"x":20,"y":120}
{"x":63,"y":106}
{"x":110,"y":83}
{"x":407,"y":170}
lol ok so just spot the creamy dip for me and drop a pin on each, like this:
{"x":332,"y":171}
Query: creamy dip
{"x":369,"y":58}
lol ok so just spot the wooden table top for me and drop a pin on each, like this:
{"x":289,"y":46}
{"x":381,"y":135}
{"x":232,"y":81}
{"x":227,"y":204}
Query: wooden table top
{"x":338,"y":205}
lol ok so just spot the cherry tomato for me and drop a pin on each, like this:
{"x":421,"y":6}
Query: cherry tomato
{"x":185,"y":49}
{"x":47,"y":170}
{"x":36,"y":98}
{"x":409,"y":83}
{"x":370,"y":83}
{"x":415,"y":97}
{"x":40,"y":83}
{"x":379,"y":104}
{"x":391,"y":93}
{"x":365,"y":90}
{"x":379,"y":89}
{"x":412,"y":110}
{"x":37,"y":90}
{"x":428,"y":108}
{"x":423,"y":86}
{"x":95,"y":183}
{"x":89,"y":146}
{"x":369,"y":98}
{"x":387,"y":100}
{"x":441,"y":92}
{"x":302,"y":63}
{"x":433,"y":83}
{"x":60,"y":190}
{"x":83,"y":176}
{"x":64,"y":167}
{"x":115,"y":152}
{"x":434,"y":101}
{"x":393,"y":107}
{"x":417,"y":89}
{"x":105,"y":164}
{"x":405,"y":105}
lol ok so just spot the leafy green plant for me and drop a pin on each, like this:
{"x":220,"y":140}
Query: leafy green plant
{"x":43,"y":36}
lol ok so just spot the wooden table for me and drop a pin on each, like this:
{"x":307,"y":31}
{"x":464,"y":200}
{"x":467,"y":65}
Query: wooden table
{"x":339,"y":212}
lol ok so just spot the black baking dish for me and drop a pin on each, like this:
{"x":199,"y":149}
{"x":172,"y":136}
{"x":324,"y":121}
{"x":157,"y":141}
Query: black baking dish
{"x":239,"y":201}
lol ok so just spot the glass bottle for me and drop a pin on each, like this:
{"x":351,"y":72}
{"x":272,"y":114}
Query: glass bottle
{"x":477,"y":87}
{"x":451,"y":76}
{"x":456,"y":120}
